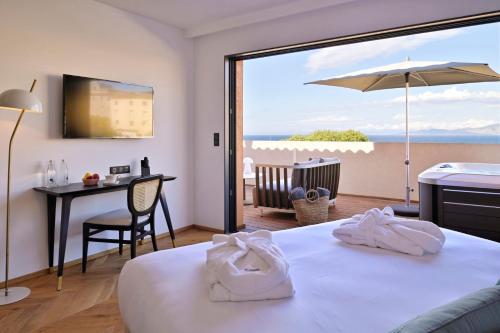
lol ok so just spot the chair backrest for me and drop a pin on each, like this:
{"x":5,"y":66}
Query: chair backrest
{"x":143,"y":194}
{"x":247,"y":165}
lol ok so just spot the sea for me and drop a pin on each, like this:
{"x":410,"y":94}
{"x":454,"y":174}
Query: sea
{"x":473,"y":139}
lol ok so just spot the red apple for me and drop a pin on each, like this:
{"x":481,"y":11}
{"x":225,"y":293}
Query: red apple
{"x":95,"y":176}
{"x":89,"y":177}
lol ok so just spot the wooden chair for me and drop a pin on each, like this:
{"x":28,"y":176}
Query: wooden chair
{"x":273,"y":183}
{"x":142,"y":197}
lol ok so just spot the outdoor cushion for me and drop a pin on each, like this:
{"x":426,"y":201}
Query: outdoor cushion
{"x":329,"y":159}
{"x":325,"y":159}
{"x":478,"y":312}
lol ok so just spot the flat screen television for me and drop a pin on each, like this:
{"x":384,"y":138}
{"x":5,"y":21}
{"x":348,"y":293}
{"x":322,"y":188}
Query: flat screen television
{"x":95,"y":108}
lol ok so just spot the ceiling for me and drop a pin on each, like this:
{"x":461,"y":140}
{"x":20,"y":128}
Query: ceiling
{"x":200,"y":17}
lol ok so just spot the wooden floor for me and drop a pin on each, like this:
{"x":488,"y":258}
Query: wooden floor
{"x":88,"y":302}
{"x":345,"y":206}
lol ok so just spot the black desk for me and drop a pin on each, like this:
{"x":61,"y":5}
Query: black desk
{"x":67,"y":193}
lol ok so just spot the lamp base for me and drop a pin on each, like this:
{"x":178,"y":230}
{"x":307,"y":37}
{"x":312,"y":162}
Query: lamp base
{"x":404,"y":210}
{"x":15,"y":295}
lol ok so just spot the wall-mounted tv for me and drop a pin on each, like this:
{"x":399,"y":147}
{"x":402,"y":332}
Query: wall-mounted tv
{"x":95,"y":108}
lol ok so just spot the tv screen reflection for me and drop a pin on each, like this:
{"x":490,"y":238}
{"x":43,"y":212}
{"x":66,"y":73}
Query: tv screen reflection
{"x":96,"y":108}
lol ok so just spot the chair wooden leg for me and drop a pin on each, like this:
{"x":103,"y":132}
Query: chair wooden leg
{"x":133,"y":243}
{"x":153,"y":235}
{"x":141,"y":239}
{"x":120,"y":244}
{"x":85,"y":248}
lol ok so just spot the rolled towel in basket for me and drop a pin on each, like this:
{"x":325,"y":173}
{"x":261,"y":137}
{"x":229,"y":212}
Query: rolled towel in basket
{"x":299,"y":193}
{"x":380,"y":228}
{"x":323,"y":192}
{"x":246,"y":267}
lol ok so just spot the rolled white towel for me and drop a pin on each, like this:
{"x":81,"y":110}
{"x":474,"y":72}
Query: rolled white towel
{"x":247,"y":266}
{"x":380,"y":228}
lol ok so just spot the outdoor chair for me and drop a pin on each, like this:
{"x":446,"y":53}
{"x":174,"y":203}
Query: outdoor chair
{"x":273,"y":183}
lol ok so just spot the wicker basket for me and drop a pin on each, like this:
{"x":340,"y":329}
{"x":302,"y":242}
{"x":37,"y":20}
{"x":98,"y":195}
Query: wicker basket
{"x":312,"y":209}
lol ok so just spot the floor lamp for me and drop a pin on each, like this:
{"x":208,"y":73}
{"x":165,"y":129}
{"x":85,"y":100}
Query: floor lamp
{"x":22,"y":101}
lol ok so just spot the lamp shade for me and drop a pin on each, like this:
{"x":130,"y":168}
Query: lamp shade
{"x":18,"y":99}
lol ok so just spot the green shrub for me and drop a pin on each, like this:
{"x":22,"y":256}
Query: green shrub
{"x":328,"y":135}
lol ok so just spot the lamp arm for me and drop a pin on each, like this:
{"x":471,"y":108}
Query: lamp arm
{"x":6,"y":282}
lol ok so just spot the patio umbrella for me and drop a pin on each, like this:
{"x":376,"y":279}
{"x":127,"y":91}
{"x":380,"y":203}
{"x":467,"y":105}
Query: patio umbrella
{"x":414,"y":74}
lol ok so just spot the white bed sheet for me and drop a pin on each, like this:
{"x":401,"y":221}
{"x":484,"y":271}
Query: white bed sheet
{"x":339,"y":287}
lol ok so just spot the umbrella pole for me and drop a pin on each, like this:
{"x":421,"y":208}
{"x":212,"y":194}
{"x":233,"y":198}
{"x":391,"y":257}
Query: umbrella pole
{"x":407,"y":155}
{"x":407,"y":209}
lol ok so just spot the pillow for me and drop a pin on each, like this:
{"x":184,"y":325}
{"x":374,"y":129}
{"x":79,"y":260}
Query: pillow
{"x":478,"y":312}
{"x":310,"y":161}
{"x":324,"y":159}
{"x":329,"y":159}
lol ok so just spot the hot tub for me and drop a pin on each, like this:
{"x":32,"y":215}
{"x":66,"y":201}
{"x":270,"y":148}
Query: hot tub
{"x":463,"y":197}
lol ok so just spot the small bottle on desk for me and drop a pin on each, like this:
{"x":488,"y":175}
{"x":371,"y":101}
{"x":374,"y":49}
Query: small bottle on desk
{"x":64,"y":173}
{"x":51,"y":175}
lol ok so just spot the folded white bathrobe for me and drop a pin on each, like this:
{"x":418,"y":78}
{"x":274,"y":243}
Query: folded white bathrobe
{"x":380,"y":228}
{"x":247,"y":266}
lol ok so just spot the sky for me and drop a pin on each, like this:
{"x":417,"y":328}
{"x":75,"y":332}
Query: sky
{"x":276,"y":101}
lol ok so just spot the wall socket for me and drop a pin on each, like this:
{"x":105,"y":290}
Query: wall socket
{"x":115,"y":170}
{"x":216,"y":140}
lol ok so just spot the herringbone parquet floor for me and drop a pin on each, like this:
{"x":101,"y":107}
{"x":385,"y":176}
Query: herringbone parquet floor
{"x":87,"y":303}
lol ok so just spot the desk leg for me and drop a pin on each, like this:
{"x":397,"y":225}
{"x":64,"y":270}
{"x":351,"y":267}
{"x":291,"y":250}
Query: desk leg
{"x":51,"y":225}
{"x":66,"y":208}
{"x":164,"y":205}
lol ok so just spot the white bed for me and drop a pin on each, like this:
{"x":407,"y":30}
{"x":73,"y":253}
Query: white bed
{"x":339,"y":287}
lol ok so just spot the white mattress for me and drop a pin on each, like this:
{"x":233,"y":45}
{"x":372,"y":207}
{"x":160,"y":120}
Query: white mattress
{"x":339,"y":287}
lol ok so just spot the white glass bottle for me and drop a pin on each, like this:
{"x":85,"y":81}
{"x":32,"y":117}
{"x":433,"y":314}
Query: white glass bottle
{"x":64,"y":173}
{"x":51,"y":175}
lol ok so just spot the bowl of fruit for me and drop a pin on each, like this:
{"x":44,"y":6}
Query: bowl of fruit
{"x":90,"y":179}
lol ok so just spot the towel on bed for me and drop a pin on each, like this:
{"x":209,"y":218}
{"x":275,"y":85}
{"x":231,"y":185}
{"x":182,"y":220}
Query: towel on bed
{"x":247,"y":266}
{"x":380,"y":228}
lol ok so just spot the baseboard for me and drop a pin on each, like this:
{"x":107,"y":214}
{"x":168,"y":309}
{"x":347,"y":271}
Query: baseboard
{"x":94,"y":256}
{"x":202,"y":227}
{"x":375,"y":197}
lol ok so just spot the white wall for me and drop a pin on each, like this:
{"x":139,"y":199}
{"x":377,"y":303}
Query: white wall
{"x":45,"y":38}
{"x":373,"y":169}
{"x":347,"y":19}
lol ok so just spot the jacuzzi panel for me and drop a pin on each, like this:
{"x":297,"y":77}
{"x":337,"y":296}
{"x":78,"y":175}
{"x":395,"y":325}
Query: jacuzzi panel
{"x":474,"y":211}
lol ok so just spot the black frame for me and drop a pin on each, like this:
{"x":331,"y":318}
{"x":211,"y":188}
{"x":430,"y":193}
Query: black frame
{"x":230,"y":86}
{"x":230,"y":146}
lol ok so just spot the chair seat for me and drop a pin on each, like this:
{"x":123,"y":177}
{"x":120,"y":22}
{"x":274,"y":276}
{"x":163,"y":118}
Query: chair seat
{"x":118,"y":217}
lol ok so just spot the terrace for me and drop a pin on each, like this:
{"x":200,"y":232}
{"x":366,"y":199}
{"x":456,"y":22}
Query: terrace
{"x":345,"y":206}
{"x":372,"y":174}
